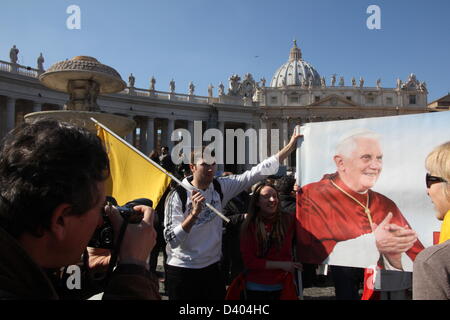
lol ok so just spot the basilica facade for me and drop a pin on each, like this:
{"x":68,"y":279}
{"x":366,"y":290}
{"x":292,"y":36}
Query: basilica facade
{"x":296,"y":94}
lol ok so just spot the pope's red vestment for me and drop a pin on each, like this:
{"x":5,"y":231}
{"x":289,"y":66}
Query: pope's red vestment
{"x":326,"y":216}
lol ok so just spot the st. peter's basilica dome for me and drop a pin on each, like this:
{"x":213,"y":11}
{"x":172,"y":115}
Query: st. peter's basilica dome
{"x":295,"y":72}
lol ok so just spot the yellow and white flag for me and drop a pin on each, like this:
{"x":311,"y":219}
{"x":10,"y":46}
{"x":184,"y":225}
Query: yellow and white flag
{"x":132,"y":175}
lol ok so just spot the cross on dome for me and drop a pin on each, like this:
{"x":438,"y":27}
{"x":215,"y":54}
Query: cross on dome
{"x":295,"y":53}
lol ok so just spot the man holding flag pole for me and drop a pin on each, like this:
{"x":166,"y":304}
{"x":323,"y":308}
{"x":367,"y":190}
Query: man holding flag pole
{"x":194,"y":233}
{"x":131,"y":170}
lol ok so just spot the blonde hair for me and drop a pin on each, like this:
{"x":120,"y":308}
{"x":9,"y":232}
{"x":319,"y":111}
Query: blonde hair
{"x":438,"y":164}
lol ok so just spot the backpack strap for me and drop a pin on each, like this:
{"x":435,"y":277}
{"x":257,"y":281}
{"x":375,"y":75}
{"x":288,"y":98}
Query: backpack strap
{"x":182,"y":193}
{"x":218,"y":188}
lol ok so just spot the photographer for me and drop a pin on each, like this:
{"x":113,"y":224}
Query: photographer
{"x":52,"y":195}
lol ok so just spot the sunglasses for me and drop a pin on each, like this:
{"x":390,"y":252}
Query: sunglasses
{"x":430,"y":180}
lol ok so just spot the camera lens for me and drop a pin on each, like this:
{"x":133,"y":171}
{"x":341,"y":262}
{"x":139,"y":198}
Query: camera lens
{"x":106,"y":236}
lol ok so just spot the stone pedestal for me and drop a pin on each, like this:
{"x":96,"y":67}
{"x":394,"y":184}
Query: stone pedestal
{"x":84,"y":78}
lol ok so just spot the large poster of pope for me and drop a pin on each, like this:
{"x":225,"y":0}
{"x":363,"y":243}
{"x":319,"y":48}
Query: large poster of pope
{"x":363,"y":200}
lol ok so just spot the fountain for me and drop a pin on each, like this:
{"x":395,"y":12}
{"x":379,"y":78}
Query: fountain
{"x":84,"y":78}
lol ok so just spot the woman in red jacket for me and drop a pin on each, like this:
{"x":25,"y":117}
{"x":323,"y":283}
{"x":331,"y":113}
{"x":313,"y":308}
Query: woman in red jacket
{"x":266,"y":246}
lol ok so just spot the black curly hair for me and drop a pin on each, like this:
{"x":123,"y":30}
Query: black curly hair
{"x":44,"y":164}
{"x":285,"y":184}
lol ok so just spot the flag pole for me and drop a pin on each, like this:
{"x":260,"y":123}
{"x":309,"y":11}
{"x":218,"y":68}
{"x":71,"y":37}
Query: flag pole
{"x":160,"y":168}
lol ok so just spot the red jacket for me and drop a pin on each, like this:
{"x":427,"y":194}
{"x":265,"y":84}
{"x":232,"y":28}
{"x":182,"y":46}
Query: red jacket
{"x":256,"y":266}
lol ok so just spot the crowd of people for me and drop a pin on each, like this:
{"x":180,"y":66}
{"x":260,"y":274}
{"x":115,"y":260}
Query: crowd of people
{"x":52,"y":199}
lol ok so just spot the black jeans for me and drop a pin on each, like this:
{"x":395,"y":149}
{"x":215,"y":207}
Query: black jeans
{"x":195,"y":284}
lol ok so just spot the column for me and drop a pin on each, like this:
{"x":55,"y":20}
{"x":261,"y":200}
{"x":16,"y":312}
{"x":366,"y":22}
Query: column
{"x":10,"y":113}
{"x":248,"y":145}
{"x":170,"y":129}
{"x":150,"y":143}
{"x":163,"y":127}
{"x":129,"y":137}
{"x":221,"y":127}
{"x":37,"y":106}
{"x":243,"y":167}
{"x":142,"y":125}
{"x":190,"y":128}
{"x":263,"y":140}
{"x":143,"y":135}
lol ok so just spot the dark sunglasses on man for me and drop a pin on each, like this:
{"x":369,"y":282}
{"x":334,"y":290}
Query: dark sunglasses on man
{"x":430,"y":180}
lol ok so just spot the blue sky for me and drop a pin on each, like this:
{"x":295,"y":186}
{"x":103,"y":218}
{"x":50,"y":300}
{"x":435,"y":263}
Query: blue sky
{"x":206,"y":41}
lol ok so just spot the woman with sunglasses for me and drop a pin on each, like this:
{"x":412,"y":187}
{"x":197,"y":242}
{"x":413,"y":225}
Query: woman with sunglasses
{"x":431,"y":275}
{"x":266,"y":247}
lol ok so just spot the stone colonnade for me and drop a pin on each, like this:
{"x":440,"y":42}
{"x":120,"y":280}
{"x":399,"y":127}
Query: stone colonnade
{"x":153,"y":133}
{"x":13,"y":109}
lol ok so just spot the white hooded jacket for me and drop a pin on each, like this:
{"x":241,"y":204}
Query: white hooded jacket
{"x":202,"y":246}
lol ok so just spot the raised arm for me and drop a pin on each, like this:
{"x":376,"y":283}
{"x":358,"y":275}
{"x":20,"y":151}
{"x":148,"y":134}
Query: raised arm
{"x":287,"y":149}
{"x":233,"y":185}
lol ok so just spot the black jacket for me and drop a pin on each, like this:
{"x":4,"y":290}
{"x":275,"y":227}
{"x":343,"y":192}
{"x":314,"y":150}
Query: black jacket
{"x":287,"y":203}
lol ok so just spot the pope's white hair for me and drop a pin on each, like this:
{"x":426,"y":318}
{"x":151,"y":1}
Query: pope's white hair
{"x":348,"y":142}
